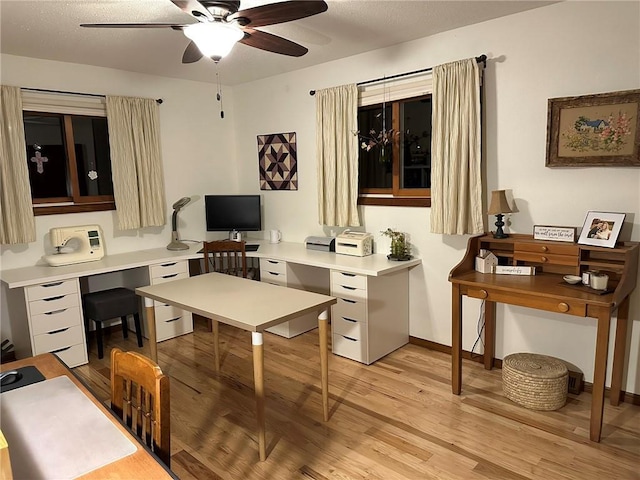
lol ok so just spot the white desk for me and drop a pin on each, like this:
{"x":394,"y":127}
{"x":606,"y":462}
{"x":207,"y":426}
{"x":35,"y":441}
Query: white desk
{"x":372,"y":311}
{"x":249,"y":305}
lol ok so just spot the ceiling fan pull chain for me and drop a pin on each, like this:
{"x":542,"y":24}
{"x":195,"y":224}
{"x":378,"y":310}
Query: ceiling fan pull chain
{"x":219,"y":95}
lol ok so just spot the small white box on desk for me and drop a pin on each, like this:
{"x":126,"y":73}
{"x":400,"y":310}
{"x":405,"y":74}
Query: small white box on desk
{"x":358,"y":244}
{"x":486,"y":261}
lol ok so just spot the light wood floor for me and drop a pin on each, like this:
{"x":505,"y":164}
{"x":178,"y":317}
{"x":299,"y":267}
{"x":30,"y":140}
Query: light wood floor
{"x":395,"y":419}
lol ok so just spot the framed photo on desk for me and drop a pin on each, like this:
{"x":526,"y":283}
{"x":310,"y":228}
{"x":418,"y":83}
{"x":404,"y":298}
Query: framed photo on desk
{"x":601,"y":229}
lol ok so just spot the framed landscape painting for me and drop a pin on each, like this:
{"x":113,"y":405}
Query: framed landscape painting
{"x":594,"y":130}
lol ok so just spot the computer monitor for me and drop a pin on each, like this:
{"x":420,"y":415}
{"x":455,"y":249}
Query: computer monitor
{"x":228,"y":213}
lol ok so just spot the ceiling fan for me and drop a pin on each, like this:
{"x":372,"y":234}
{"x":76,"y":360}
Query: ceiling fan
{"x":220,"y":24}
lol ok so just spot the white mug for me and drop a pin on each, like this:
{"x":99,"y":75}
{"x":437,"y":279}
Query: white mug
{"x":275,"y":236}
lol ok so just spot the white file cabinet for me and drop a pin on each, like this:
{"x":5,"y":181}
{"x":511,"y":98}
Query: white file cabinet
{"x":170,"y":321}
{"x":55,"y":320}
{"x":279,"y":272}
{"x":371,"y":317}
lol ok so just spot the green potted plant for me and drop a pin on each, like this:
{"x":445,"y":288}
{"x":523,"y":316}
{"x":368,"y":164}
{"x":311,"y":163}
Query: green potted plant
{"x":399,"y":246}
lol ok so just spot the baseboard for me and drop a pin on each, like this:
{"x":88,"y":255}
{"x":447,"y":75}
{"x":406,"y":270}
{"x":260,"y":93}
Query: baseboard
{"x":632,"y":398}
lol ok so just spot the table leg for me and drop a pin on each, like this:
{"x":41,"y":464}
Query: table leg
{"x":489,"y":334}
{"x":323,"y":331}
{"x":151,"y":328}
{"x":599,"y":375}
{"x":215,"y":328}
{"x":619,"y":352}
{"x":456,"y":339}
{"x":258,"y":380}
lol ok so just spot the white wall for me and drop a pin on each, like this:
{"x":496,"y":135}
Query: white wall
{"x":571,"y":48}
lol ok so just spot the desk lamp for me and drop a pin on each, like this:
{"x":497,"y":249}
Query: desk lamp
{"x":176,"y":244}
{"x":498,"y":207}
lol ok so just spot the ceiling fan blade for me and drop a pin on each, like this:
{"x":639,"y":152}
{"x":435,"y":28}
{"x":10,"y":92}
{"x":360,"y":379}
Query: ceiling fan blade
{"x":133,"y":25}
{"x":272,"y":43}
{"x":273,"y":13}
{"x":192,"y":54}
{"x":193,"y":8}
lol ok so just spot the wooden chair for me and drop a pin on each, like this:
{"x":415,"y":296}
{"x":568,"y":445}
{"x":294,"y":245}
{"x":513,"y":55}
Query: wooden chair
{"x":140,"y":396}
{"x":229,"y":257}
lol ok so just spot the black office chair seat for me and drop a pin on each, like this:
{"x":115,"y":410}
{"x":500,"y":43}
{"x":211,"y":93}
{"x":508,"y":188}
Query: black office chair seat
{"x":107,"y":304}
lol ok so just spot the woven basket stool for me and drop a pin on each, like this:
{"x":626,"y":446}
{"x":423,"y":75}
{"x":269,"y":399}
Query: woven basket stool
{"x":537,"y":382}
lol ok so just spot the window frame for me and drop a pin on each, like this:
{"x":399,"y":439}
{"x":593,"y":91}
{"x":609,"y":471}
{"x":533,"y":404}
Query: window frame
{"x":75,"y":203}
{"x":396,"y":195}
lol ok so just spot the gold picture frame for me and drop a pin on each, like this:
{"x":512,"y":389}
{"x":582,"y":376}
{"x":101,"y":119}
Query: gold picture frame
{"x":594,"y":130}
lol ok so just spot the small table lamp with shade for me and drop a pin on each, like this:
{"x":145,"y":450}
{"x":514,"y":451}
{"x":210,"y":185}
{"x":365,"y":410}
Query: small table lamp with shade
{"x":498,"y":207}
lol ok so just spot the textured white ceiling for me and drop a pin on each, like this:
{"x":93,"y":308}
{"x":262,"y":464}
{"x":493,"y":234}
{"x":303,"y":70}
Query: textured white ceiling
{"x":49,"y":29}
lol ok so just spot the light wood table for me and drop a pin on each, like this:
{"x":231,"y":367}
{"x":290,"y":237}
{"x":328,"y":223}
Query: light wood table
{"x":249,"y":305}
{"x":140,"y":464}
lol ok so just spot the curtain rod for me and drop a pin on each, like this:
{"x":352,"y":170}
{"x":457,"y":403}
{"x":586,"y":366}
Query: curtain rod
{"x":158,"y":100}
{"x":480,"y":59}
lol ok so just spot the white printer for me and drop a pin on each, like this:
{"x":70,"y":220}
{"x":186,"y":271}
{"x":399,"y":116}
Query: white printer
{"x":324,"y":244}
{"x":358,"y":244}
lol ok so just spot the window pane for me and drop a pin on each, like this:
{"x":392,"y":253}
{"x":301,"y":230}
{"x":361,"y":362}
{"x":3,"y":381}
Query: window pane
{"x":416,"y":144}
{"x":93,"y":162}
{"x":376,"y":164}
{"x":46,"y":155}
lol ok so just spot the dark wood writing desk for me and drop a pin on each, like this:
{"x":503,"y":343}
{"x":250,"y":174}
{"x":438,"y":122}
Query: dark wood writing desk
{"x":545,"y":291}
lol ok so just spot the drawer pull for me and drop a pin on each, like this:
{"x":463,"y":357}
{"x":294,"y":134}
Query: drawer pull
{"x":563,"y":307}
{"x":169,"y":276}
{"x":168,"y":264}
{"x":54,"y":284}
{"x":348,"y":300}
{"x":55,"y":332}
{"x":173,"y":320}
{"x":544,"y":249}
{"x":55,"y":312}
{"x":50,"y":299}
{"x":273,"y":261}
{"x":60,"y":350}
{"x":348,"y":274}
{"x":273,"y":273}
{"x":483,"y":294}
{"x":544,"y":259}
{"x":348,"y":288}
{"x":349,"y":338}
{"x":349,"y":320}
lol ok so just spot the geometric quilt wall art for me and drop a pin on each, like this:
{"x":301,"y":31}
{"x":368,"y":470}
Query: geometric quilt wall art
{"x":278,"y":161}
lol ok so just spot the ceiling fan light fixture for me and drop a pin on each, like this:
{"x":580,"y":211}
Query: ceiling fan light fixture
{"x":214,"y":39}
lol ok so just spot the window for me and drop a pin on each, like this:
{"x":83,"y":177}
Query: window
{"x":68,"y":158}
{"x":398,"y":172}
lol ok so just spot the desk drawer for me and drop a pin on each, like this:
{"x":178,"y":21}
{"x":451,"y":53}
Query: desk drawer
{"x":348,"y":280}
{"x":547,"y":248}
{"x":52,"y":289}
{"x":73,"y":356}
{"x":527,"y":300}
{"x":350,"y":308}
{"x":169,"y":277}
{"x":56,"y":320}
{"x":349,"y":327}
{"x":66,"y":337}
{"x":52,"y":304}
{"x":352,"y":348}
{"x":170,"y":268}
{"x":174,"y":326}
{"x":348,"y":292}
{"x":277,"y":278}
{"x":546,"y":258}
{"x":163,"y":311}
{"x":270,"y":265}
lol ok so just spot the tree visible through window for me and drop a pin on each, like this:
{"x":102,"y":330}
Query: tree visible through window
{"x":395,"y":154}
{"x":69,"y":162}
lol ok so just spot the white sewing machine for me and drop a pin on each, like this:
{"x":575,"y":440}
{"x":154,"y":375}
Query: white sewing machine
{"x":78,"y":244}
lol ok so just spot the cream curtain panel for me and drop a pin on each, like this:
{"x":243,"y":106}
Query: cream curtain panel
{"x":136,"y":163}
{"x":456,"y":183}
{"x":337,"y":155}
{"x":17,"y":223}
